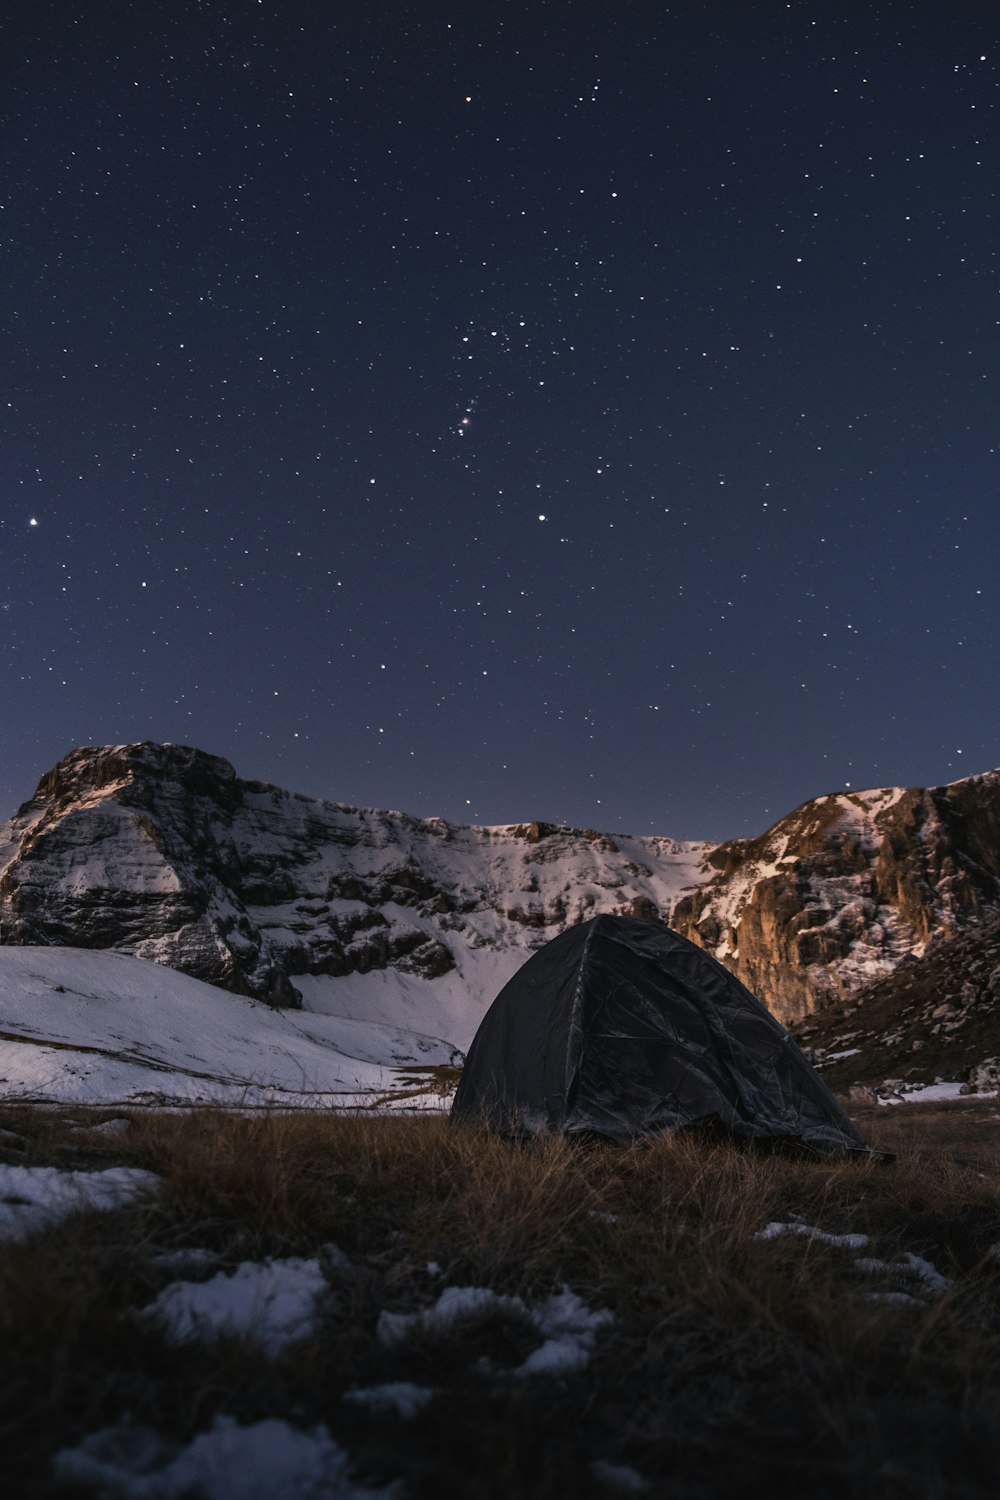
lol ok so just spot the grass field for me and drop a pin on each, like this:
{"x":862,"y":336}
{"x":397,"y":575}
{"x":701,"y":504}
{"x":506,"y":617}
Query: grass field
{"x":694,"y":1358}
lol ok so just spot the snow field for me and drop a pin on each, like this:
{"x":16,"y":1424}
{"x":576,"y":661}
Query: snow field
{"x":79,"y":1026}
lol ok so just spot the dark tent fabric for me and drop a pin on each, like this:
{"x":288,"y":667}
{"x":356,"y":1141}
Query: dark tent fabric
{"x":625,"y":1029}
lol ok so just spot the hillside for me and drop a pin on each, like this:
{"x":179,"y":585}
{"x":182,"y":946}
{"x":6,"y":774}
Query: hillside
{"x":82,"y":1027}
{"x":933,"y":1018}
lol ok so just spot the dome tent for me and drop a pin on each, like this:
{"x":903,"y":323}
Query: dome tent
{"x":625,"y":1029}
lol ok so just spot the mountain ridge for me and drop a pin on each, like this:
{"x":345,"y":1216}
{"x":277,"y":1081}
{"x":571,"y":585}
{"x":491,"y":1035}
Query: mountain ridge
{"x":164,"y":852}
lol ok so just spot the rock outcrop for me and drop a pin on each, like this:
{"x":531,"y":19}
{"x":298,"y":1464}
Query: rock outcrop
{"x":839,"y":892}
{"x":932,"y":1019}
{"x":164,"y":852}
{"x":129,"y":848}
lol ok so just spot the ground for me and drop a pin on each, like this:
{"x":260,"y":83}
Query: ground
{"x":312,"y":1305}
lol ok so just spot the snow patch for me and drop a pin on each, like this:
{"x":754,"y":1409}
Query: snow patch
{"x":568,"y":1327}
{"x":186,"y":1262}
{"x":910,"y":1267}
{"x":926,"y":1092}
{"x":274,"y":1303}
{"x":398,"y":1398}
{"x":807,"y":1231}
{"x":266,"y":1460}
{"x":33,"y":1199}
{"x":455,"y":1304}
{"x":893,"y":1299}
{"x":118,"y":1126}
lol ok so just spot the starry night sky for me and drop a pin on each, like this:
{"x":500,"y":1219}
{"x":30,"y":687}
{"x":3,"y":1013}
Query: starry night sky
{"x":584,"y":412}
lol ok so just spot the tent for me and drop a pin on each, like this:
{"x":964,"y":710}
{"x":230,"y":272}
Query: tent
{"x":625,"y":1029}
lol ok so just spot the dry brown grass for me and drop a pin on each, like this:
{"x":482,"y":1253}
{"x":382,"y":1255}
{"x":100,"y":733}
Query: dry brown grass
{"x":734,"y":1365}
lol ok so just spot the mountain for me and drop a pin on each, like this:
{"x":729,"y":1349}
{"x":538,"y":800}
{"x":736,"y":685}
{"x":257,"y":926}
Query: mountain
{"x":163,"y":852}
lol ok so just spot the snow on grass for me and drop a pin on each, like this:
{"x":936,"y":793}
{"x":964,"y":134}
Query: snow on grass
{"x":910,"y":1267}
{"x":924,"y":1271}
{"x":34,"y":1199}
{"x":569,"y":1329}
{"x":274,"y":1303}
{"x":807,"y":1231}
{"x":186,"y":1262}
{"x":266,"y":1460}
{"x":455,"y":1305}
{"x":118,"y":1126}
{"x":397,"y":1398}
{"x":567,"y":1326}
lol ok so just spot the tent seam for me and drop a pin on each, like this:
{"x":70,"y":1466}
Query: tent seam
{"x":574,"y":1062}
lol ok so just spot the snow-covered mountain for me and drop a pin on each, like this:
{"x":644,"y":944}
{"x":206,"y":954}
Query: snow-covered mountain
{"x":163,"y":852}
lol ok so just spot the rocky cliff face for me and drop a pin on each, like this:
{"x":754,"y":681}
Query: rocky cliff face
{"x":836,"y":894}
{"x":129,"y":848}
{"x":164,"y":852}
{"x":932,"y":1019}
